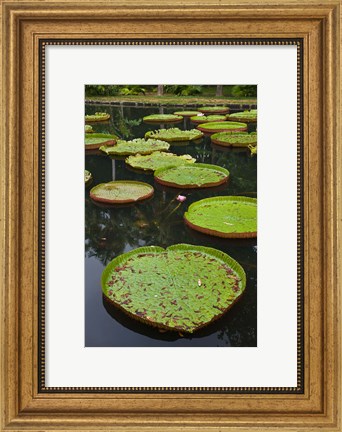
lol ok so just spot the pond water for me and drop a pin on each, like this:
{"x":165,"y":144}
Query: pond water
{"x":109,"y":232}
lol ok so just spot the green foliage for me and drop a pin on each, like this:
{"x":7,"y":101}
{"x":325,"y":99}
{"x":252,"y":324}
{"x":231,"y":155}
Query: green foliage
{"x":245,"y":91}
{"x":174,"y":134}
{"x":121,"y":191}
{"x":98,"y":116}
{"x":101,"y":90}
{"x":181,"y":288}
{"x":225,"y":216}
{"x":158,"y":160}
{"x":132,"y":90}
{"x":138,"y":145}
{"x":88,"y":129}
{"x":192,"y":176}
{"x":183,"y":90}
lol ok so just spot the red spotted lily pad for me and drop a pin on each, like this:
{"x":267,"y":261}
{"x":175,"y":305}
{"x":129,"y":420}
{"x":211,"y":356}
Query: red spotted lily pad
{"x":121,"y":192}
{"x":182,"y":288}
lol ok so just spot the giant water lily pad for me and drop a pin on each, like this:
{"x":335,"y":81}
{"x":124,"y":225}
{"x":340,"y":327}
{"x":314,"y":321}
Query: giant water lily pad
{"x":192,"y":176}
{"x":94,"y":141}
{"x":235,"y":139}
{"x":214,"y":109}
{"x":162,"y":118}
{"x":210,"y":118}
{"x":245,"y":116}
{"x":225,"y":216}
{"x":98,"y":116}
{"x":174,"y":134}
{"x":121,"y":192}
{"x":213,"y":127}
{"x":181,"y":288}
{"x":138,"y":145}
{"x":158,"y":160}
{"x":186,"y":113}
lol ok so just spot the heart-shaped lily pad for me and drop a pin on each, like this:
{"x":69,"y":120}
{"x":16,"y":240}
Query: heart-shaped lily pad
{"x":208,"y":118}
{"x":225,"y":216}
{"x":181,"y":288}
{"x":158,"y":160}
{"x":192,"y":176}
{"x":94,"y":141}
{"x":245,"y":116}
{"x":225,"y":126}
{"x":138,"y":145}
{"x":174,"y":134}
{"x":235,"y":139}
{"x":214,"y":109}
{"x":98,"y":116}
{"x":162,"y":118}
{"x":121,"y":192}
{"x":186,"y":113}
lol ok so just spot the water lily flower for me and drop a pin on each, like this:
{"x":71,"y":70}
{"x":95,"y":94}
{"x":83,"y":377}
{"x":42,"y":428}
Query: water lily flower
{"x":181,"y":198}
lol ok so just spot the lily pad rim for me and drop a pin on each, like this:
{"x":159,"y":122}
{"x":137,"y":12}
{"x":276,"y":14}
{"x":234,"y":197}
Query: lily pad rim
{"x":122,"y":201}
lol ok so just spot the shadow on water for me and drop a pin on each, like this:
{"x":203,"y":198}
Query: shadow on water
{"x":113,"y":230}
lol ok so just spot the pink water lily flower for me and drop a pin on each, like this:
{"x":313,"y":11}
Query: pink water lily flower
{"x":181,"y":198}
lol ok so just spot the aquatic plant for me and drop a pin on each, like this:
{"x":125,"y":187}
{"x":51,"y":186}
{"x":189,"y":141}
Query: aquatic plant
{"x":98,"y":116}
{"x":214,"y":109}
{"x":96,"y":140}
{"x":213,"y":127}
{"x":138,"y":145}
{"x":245,"y":116}
{"x":158,"y":160}
{"x":253,"y":149}
{"x":162,"y":118}
{"x":235,"y":139}
{"x":209,"y":118}
{"x":186,"y":113}
{"x":88,"y":129}
{"x":174,"y":134}
{"x":224,"y":216}
{"x":192,"y":176}
{"x":182,"y":288}
{"x":88,"y":178}
{"x":121,"y":192}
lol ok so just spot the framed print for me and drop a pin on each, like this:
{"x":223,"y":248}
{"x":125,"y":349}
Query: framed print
{"x":170,"y":236}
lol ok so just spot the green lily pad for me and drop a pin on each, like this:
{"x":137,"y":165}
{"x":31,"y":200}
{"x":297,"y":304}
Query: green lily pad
{"x":98,"y":116}
{"x":245,"y":116}
{"x":88,"y":178}
{"x":225,"y":216}
{"x":192,"y":176}
{"x":209,"y":118}
{"x":162,"y":118}
{"x":214,"y":109}
{"x":121,"y":192}
{"x":138,"y":145}
{"x":235,"y":139}
{"x":96,"y":140}
{"x":182,"y":288}
{"x":174,"y":134}
{"x":88,"y":129}
{"x":158,"y":160}
{"x":225,"y":126}
{"x":186,"y":113}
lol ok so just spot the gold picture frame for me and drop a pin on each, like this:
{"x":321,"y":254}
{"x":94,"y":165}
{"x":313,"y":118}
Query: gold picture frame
{"x":27,"y":27}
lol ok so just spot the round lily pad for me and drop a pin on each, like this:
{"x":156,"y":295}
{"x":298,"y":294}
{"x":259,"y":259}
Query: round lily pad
{"x":245,"y":116}
{"x":121,"y":192}
{"x":192,"y":176}
{"x":88,"y":129}
{"x":225,"y":216}
{"x":158,"y":160}
{"x":96,"y":140}
{"x":186,"y":113}
{"x":162,"y":118}
{"x":174,"y":134}
{"x":209,"y":118}
{"x":98,"y":116}
{"x":182,"y":288}
{"x":88,"y":178}
{"x":214,"y":109}
{"x":235,"y":139}
{"x":213,"y":127}
{"x":138,"y":145}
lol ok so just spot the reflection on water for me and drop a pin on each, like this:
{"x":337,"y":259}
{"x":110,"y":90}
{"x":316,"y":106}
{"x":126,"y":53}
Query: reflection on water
{"x":158,"y":221}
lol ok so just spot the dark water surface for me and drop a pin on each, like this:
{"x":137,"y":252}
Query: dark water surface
{"x":109,"y":232}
